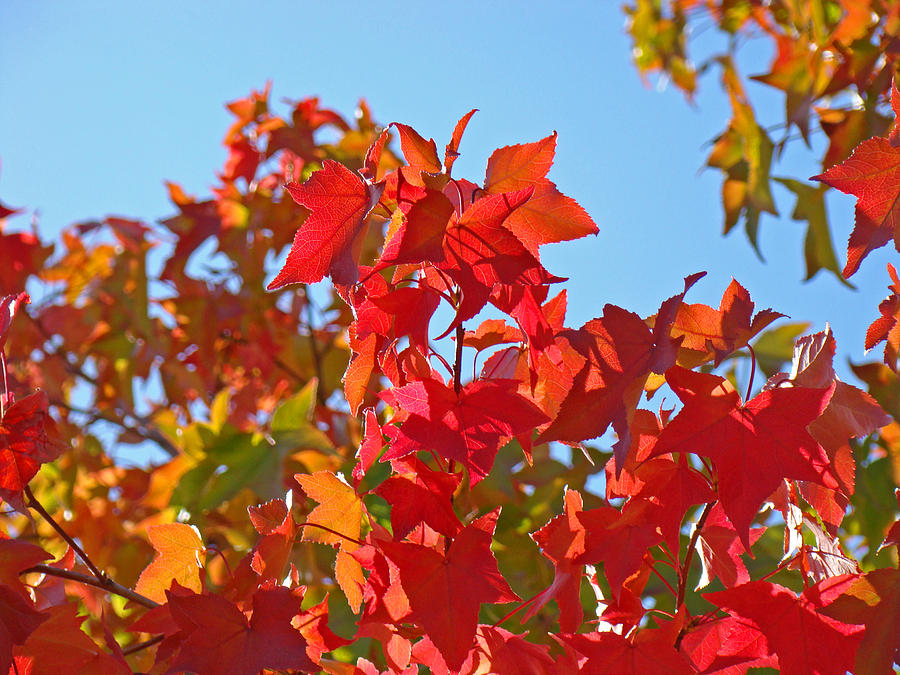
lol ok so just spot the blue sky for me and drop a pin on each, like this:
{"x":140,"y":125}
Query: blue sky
{"x":103,"y":101}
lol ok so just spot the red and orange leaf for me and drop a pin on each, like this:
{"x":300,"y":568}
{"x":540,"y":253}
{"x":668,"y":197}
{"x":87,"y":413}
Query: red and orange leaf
{"x":421,"y":155}
{"x":886,"y":328}
{"x":717,"y":333}
{"x":339,"y":201}
{"x":178,"y":547}
{"x":451,"y":152}
{"x":562,"y":541}
{"x":218,"y":638}
{"x":549,"y":216}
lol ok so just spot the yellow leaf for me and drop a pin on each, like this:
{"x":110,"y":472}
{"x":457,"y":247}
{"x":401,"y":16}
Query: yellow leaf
{"x":178,"y":547}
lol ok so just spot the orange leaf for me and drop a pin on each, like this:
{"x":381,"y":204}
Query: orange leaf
{"x":179,"y":547}
{"x":339,"y":509}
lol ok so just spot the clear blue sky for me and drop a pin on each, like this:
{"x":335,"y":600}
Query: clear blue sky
{"x":103,"y":101}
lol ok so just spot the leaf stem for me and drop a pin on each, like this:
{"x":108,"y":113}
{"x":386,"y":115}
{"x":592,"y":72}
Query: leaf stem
{"x":37,"y":506}
{"x":105,"y":584}
{"x":518,"y":608}
{"x":689,"y":554}
{"x":752,"y":372}
{"x":457,"y":364}
{"x":4,"y":395}
{"x":663,"y":579}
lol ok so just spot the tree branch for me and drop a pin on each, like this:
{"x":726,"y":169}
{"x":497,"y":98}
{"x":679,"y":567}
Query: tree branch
{"x":105,"y":584}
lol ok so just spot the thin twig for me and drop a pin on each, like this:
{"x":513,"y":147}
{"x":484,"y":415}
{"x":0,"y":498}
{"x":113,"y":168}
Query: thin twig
{"x":140,"y":646}
{"x":105,"y":584}
{"x":37,"y":506}
{"x":457,"y":363}
{"x":689,"y":554}
{"x":334,"y":532}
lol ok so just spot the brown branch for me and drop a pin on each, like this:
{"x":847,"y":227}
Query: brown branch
{"x":105,"y":584}
{"x":133,"y":649}
{"x":457,"y":363}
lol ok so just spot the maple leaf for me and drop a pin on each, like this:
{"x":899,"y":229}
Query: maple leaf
{"x":562,"y":541}
{"x":59,"y":645}
{"x":178,"y":547}
{"x":620,"y":539}
{"x":720,"y":549}
{"x":644,"y":651}
{"x":717,"y":333}
{"x":421,"y":495}
{"x":27,"y":440}
{"x":611,"y":357}
{"x":339,"y":201}
{"x":755,"y":445}
{"x":446,"y":591}
{"x":218,"y":638}
{"x":549,"y":216}
{"x":274,"y":522}
{"x":885,"y":328}
{"x":23,"y":255}
{"x":18,"y":619}
{"x":468,"y":427}
{"x":872,"y":599}
{"x":340,"y":510}
{"x":872,"y":174}
{"x":451,"y":152}
{"x":9,"y":305}
{"x":794,"y":626}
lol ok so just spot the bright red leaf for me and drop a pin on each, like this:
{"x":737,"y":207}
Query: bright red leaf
{"x":27,"y":440}
{"x":754,"y":445}
{"x":872,"y":174}
{"x":468,"y":427}
{"x":446,"y":591}
{"x":339,"y":201}
{"x":804,"y":639}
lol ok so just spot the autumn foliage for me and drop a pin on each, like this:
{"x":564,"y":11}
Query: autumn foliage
{"x":208,"y":466}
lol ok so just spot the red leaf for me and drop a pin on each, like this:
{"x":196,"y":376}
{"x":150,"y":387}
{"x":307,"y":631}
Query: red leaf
{"x":754,"y":445}
{"x":339,"y":201}
{"x":27,"y":440}
{"x":562,"y":541}
{"x":446,"y":591}
{"x":59,"y":645}
{"x":18,"y":619}
{"x":872,"y":174}
{"x":9,"y":305}
{"x":469,"y":427}
{"x":219,"y":639}
{"x":451,"y":152}
{"x":421,"y":496}
{"x":874,"y":600}
{"x":796,"y":631}
{"x":421,"y":155}
{"x":646,"y":651}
